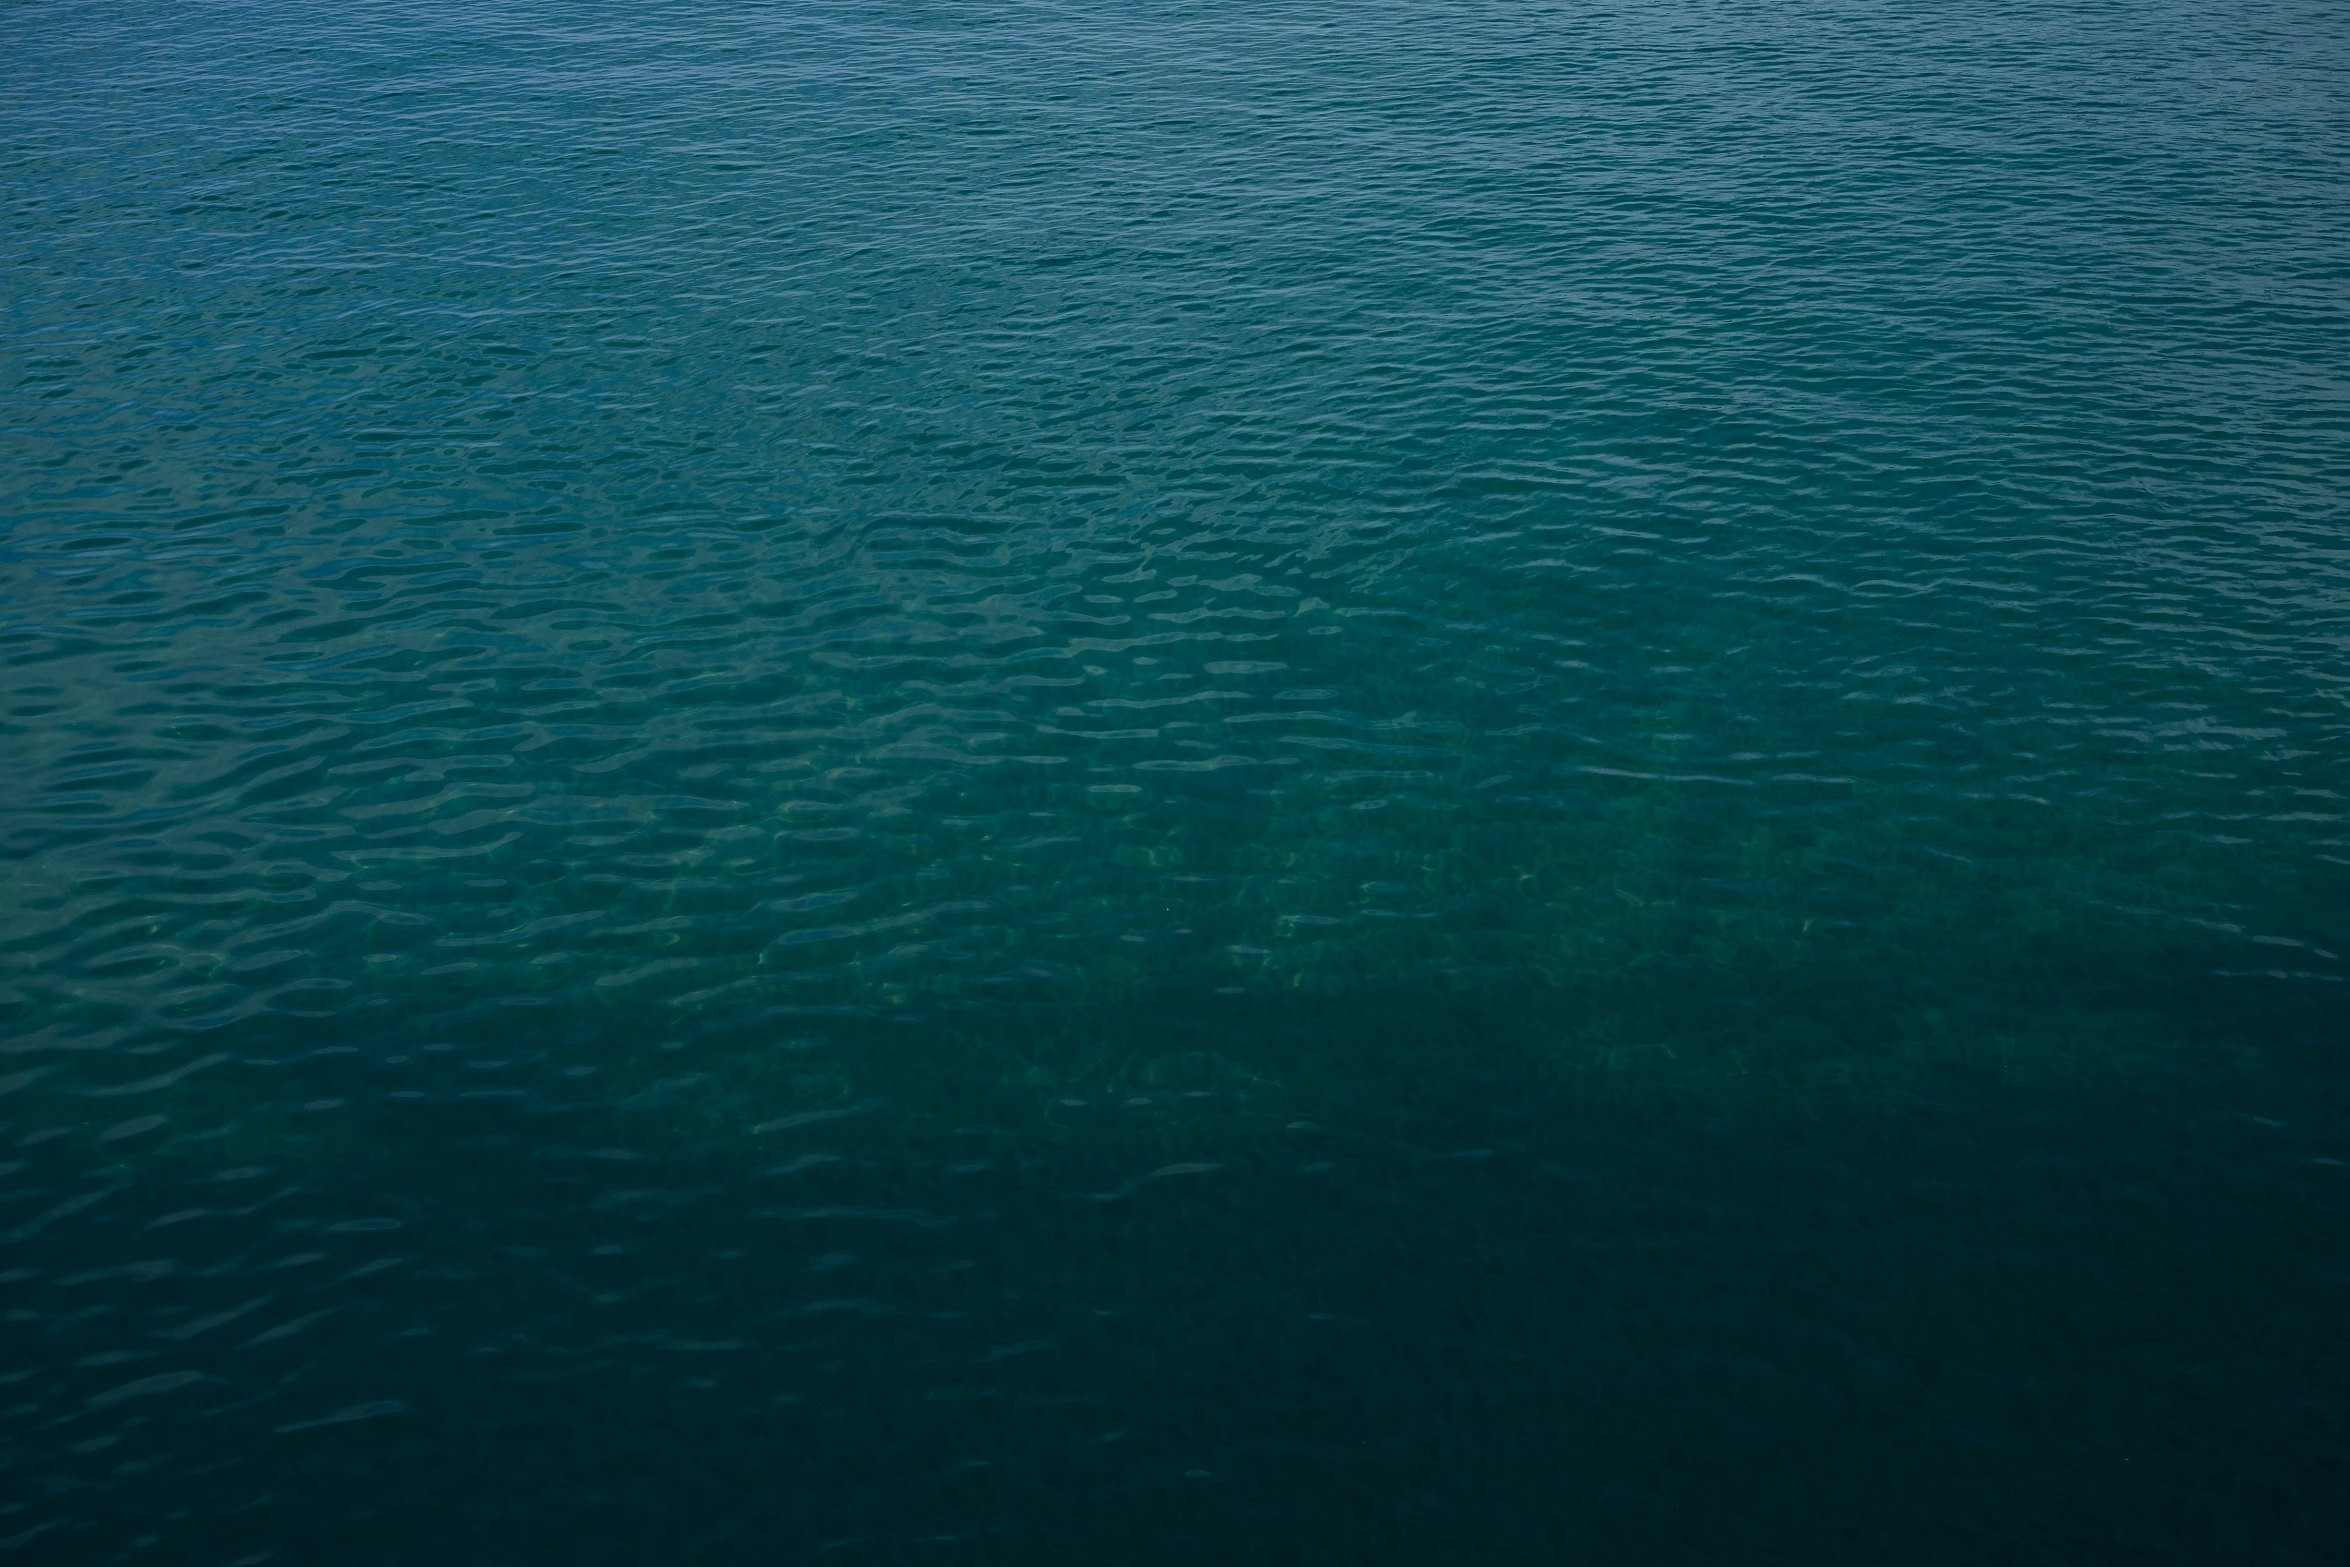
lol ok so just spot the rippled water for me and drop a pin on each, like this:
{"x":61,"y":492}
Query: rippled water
{"x":1149,"y":782}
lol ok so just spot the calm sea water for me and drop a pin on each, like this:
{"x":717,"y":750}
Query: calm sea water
{"x":1138,"y":782}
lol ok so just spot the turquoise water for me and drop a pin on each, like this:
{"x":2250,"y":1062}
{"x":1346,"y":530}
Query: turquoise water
{"x":1160,"y":783}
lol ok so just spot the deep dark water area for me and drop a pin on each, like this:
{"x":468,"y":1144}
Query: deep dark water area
{"x":1377,"y":1275}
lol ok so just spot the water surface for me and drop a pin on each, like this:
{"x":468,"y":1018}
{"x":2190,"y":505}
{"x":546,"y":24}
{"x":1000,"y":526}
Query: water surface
{"x":1161,"y":783}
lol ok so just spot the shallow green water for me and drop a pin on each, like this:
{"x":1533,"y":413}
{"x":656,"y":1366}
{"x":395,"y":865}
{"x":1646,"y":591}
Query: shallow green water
{"x":1163,"y":783}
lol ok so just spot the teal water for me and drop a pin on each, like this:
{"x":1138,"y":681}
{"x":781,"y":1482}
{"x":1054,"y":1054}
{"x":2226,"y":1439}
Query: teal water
{"x":1137,"y":782}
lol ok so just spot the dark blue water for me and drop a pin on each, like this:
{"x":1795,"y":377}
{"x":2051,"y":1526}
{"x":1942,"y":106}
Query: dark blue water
{"x":1132,"y":782}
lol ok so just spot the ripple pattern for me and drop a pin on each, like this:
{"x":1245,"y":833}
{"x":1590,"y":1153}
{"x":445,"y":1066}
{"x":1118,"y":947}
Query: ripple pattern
{"x":799,"y":776}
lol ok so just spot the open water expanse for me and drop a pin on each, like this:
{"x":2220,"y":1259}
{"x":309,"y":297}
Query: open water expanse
{"x":1155,"y":782}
